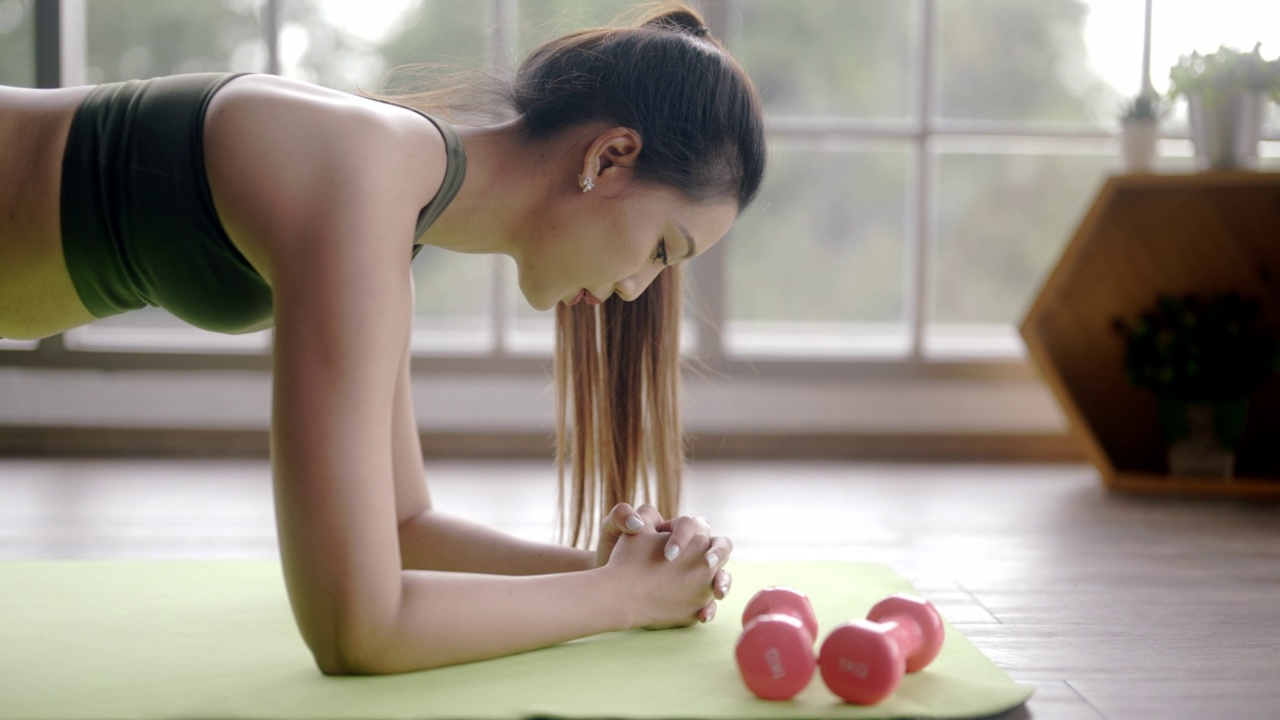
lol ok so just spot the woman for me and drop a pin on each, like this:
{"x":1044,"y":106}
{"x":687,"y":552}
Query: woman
{"x":240,"y":202}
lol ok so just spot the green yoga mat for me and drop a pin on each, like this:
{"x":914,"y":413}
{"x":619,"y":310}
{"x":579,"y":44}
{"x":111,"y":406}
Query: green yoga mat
{"x":216,"y":640}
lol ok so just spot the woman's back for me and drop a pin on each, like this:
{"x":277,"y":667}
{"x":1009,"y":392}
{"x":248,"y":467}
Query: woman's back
{"x":37,"y":298}
{"x":274,"y":150}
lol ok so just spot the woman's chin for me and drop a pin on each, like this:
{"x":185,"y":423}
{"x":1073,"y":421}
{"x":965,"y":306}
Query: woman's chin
{"x":541,"y":304}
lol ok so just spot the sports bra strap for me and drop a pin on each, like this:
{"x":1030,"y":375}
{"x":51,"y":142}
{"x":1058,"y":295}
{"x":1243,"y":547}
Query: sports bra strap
{"x":454,"y":172}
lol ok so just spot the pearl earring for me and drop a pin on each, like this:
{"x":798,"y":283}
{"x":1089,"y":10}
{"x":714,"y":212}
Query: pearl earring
{"x":587,"y":184}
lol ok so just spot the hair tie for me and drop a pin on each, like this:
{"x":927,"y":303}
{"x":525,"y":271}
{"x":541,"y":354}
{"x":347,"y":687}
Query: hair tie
{"x":702,"y":31}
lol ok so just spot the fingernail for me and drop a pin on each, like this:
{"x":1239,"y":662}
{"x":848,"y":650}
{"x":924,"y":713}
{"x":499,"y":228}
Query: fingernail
{"x":634,"y":523}
{"x":672,"y":551}
{"x":713,"y":559}
{"x":724,"y":588}
{"x":711,"y":615}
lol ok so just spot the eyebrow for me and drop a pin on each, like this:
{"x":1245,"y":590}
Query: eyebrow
{"x":693,"y":246}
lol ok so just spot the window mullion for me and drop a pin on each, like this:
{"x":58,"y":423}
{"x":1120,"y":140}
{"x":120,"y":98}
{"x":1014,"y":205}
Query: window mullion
{"x":709,"y":286}
{"x":48,"y":44}
{"x":917,"y":281}
{"x":60,"y":43}
{"x":504,"y":14}
{"x":73,"y":43}
{"x":271,"y":14}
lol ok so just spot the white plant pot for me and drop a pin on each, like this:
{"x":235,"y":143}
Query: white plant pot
{"x":1138,"y":145}
{"x":1226,"y":132}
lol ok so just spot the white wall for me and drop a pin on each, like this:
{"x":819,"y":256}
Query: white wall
{"x":241,"y":400}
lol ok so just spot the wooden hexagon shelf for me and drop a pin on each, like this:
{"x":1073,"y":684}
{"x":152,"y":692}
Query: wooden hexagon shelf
{"x":1146,"y":235}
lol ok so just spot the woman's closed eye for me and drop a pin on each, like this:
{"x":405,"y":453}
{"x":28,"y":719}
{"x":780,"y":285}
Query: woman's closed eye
{"x":662,"y":252}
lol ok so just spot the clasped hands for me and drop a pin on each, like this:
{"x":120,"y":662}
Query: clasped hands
{"x":640,"y":532}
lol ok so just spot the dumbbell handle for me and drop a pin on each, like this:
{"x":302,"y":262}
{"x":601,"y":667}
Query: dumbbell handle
{"x":918,"y":629}
{"x":904,"y":632}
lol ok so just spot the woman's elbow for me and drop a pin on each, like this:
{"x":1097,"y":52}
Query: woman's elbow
{"x":349,"y":651}
{"x":334,"y":666}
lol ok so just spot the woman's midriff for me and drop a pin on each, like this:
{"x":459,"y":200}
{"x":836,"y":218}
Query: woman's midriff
{"x":37,"y":297}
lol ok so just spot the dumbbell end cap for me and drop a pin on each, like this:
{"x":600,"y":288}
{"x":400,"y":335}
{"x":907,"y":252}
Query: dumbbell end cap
{"x":775,"y":656}
{"x":860,"y":664}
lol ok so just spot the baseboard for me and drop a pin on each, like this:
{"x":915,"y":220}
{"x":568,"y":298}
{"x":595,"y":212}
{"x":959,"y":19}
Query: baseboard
{"x":906,"y":447}
{"x":153,"y":442}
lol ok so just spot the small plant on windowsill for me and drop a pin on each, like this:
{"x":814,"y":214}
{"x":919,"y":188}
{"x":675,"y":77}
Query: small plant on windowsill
{"x":1203,"y":358}
{"x":1139,"y":131}
{"x":1227,"y":93}
{"x":1142,"y":108}
{"x":1224,"y":72}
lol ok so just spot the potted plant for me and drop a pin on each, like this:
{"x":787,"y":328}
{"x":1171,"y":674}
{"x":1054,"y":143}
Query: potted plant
{"x":1227,"y":93}
{"x":1139,"y":131}
{"x":1202,"y":359}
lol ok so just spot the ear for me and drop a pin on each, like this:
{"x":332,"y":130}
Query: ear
{"x":611,"y":158}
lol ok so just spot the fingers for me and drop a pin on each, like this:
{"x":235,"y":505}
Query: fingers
{"x":679,"y":593}
{"x":683,"y":530}
{"x":623,"y":519}
{"x":689,"y":534}
{"x":718,"y":554}
{"x":651,"y":517}
{"x":708,"y":613}
{"x":721,"y":583}
{"x":669,"y":525}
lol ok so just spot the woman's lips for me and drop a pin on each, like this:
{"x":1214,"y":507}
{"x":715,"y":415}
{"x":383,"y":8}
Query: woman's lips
{"x":584,"y":295}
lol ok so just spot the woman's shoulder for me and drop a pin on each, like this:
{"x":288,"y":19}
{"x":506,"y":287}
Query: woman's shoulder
{"x":316,"y":123}
{"x":283,"y":155}
{"x":272,"y":101}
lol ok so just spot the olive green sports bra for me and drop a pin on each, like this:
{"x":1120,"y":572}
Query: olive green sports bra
{"x":139,"y":226}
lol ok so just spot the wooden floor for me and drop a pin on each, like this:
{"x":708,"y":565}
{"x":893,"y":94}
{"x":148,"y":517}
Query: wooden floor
{"x":1113,"y":607}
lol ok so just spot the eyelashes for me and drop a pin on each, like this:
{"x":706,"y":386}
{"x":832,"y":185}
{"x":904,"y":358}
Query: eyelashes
{"x":662,"y":252}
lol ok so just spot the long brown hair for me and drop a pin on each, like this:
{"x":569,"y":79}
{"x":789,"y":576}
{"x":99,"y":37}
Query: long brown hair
{"x":617,"y":364}
{"x":617,"y":368}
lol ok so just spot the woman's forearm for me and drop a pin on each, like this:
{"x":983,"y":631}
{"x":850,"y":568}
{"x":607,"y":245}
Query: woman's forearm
{"x":432,"y":540}
{"x":446,"y":618}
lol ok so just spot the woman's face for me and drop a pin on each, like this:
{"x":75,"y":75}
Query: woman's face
{"x":587,"y":248}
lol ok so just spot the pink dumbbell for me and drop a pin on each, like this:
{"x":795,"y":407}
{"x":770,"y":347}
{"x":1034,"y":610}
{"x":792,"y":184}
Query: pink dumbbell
{"x":775,"y":651}
{"x":863,"y":661}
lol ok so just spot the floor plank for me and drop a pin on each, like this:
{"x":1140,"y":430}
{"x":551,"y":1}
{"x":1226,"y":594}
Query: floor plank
{"x":1112,"y":607}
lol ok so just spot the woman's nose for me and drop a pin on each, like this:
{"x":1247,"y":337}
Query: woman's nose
{"x":631,"y":288}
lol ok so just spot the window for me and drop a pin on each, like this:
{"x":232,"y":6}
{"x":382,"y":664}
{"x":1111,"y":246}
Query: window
{"x":929,"y":161}
{"x":928,"y":158}
{"x":17,"y":43}
{"x":128,"y":39}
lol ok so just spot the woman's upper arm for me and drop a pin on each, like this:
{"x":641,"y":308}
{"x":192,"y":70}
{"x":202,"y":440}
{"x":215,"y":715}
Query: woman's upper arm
{"x":331,"y":187}
{"x":412,"y":497}
{"x":342,"y":312}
